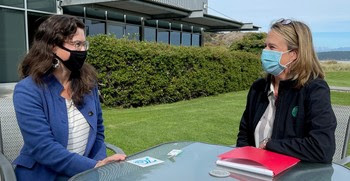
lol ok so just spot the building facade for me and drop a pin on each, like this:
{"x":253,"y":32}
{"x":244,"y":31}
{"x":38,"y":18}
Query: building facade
{"x":175,"y":22}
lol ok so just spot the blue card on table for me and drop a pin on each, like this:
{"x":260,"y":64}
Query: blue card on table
{"x":145,"y":161}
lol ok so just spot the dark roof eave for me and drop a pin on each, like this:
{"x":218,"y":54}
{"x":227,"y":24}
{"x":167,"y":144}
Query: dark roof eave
{"x":175,"y":11}
{"x":223,"y":20}
{"x":207,"y":21}
{"x":255,"y":28}
{"x":218,"y":29}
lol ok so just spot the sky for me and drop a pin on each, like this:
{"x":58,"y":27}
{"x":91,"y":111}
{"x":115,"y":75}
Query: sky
{"x":329,"y":20}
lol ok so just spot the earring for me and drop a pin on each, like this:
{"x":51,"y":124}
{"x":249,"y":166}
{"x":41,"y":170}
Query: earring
{"x":56,"y":64}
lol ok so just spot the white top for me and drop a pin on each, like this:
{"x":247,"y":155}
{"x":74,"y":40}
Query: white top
{"x":265,"y":126}
{"x":78,"y":129}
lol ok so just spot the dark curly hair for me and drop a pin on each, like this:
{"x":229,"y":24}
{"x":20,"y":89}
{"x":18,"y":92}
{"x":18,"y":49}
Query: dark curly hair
{"x":38,"y":63}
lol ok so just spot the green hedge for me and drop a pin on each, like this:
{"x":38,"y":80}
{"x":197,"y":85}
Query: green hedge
{"x":133,"y":74}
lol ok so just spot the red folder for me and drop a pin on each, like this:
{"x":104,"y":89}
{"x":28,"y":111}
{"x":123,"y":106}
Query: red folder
{"x":275,"y":162}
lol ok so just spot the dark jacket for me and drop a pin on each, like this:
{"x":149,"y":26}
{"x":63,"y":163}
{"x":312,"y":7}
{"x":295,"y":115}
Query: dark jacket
{"x":304,"y":123}
{"x":42,"y":117}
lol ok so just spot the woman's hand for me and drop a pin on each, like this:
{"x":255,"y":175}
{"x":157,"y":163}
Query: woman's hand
{"x":263,"y":143}
{"x":113,"y":158}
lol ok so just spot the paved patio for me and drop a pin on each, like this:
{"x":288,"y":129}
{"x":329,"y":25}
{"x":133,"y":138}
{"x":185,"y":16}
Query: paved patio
{"x":6,"y":104}
{"x":341,"y":89}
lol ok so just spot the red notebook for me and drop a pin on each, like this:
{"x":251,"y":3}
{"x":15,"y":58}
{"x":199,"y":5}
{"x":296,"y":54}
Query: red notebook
{"x":256,"y":160}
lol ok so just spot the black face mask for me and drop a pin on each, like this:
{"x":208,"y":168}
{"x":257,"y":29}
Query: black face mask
{"x":75,"y":61}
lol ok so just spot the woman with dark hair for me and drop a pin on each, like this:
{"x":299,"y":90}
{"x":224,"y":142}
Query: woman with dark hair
{"x":290,"y":111}
{"x":57,"y":105}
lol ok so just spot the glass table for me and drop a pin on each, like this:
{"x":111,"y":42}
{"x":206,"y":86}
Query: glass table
{"x":195,"y":162}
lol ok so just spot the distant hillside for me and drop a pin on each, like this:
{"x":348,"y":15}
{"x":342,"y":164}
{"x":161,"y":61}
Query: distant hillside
{"x":334,"y":55}
{"x":326,"y":49}
{"x":222,"y":39}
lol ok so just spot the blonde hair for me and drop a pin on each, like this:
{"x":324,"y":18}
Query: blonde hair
{"x":299,"y":39}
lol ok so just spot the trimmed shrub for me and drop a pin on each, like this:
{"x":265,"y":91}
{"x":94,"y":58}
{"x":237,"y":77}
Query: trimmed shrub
{"x":133,"y":74}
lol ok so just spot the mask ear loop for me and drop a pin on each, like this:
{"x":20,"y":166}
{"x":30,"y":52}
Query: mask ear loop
{"x":286,"y":65}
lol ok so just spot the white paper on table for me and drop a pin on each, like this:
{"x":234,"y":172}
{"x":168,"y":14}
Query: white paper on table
{"x":174,"y":152}
{"x":145,"y":161}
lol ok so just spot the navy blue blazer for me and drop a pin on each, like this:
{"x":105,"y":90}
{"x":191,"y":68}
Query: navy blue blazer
{"x":304,"y":122}
{"x":42,"y":117}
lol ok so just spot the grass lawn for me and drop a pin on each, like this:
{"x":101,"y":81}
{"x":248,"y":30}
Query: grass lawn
{"x":341,"y":98}
{"x":341,"y":79}
{"x":212,"y":119}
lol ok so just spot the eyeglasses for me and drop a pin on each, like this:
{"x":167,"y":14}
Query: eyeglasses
{"x":284,"y":21}
{"x":79,"y":45}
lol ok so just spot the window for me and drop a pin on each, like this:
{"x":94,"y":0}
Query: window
{"x":197,"y":30}
{"x":133,"y":19}
{"x":187,"y":28}
{"x":74,"y":10}
{"x":94,"y":27}
{"x":95,"y":13}
{"x":195,"y":39}
{"x":196,"y":36}
{"x":151,"y":23}
{"x":115,"y":16}
{"x":34,"y":20}
{"x":116,"y":29}
{"x":132,"y":32}
{"x":186,"y":39}
{"x":175,"y":38}
{"x":163,"y":24}
{"x":163,"y":36}
{"x":47,"y":5}
{"x":14,"y":3}
{"x":150,"y":34}
{"x":175,"y":27}
{"x":12,"y":43}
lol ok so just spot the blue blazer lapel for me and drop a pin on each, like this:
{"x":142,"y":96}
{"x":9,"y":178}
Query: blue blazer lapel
{"x":58,"y":119}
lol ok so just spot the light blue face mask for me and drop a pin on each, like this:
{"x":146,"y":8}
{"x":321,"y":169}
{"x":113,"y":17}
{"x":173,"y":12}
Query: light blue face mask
{"x":271,"y":61}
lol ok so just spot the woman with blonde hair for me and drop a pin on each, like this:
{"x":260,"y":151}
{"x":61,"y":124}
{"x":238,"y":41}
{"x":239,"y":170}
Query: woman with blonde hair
{"x":290,"y":111}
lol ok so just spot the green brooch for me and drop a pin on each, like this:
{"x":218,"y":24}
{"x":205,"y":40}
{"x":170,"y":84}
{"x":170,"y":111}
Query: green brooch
{"x":295,"y":111}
